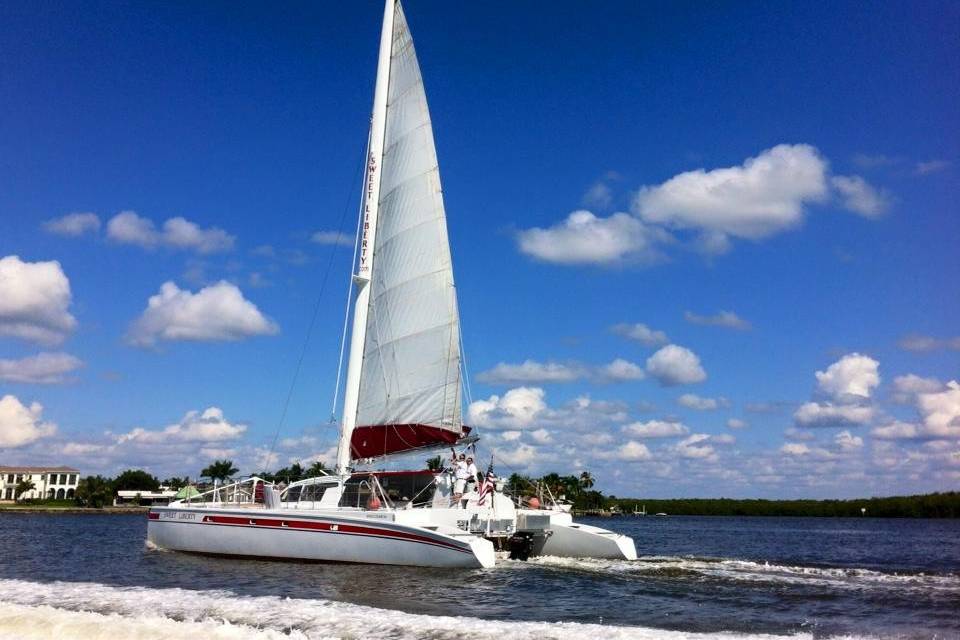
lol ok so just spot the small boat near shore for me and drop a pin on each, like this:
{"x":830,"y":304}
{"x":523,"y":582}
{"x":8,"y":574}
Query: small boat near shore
{"x":403,"y":392}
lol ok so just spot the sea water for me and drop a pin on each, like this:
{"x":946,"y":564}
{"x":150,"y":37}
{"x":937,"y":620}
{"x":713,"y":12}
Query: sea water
{"x":92,"y":576}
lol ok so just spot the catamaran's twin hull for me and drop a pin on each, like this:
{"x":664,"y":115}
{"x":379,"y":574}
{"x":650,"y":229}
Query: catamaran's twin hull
{"x":282,"y":534}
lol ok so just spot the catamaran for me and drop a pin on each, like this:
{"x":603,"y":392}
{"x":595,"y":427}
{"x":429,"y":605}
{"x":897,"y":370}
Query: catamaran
{"x":403,"y":392}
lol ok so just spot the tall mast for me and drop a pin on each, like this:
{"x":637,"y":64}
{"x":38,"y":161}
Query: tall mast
{"x":368,"y":231}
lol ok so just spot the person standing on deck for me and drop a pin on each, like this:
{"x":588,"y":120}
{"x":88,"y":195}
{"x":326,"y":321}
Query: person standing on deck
{"x":460,"y":474}
{"x":472,"y":472}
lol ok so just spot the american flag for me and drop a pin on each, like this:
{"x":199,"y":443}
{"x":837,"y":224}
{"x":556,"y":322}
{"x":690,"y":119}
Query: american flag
{"x":486,"y":487}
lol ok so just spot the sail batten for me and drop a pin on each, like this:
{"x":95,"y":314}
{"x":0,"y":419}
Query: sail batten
{"x":409,"y":383}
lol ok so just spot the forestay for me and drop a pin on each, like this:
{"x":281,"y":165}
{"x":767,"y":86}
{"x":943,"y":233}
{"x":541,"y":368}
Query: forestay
{"x":409,"y":394}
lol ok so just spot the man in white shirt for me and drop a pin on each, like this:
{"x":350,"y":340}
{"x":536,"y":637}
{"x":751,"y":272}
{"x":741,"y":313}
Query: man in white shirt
{"x":472,"y":471}
{"x":460,"y":474}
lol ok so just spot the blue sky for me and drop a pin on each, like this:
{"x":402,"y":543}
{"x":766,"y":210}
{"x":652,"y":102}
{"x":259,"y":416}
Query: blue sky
{"x":794,"y":166}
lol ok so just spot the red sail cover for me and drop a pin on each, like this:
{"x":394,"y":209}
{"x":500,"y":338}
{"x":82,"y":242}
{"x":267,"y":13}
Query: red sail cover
{"x":380,"y":440}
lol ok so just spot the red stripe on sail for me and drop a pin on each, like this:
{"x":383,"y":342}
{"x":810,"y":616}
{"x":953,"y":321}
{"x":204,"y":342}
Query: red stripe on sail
{"x":379,"y":440}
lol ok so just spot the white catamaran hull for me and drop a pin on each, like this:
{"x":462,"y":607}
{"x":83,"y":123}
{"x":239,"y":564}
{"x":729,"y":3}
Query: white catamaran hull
{"x":572,"y":540}
{"x":327,"y":538}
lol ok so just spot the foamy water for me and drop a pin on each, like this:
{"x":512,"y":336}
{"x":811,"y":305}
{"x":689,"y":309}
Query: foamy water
{"x":92,"y":611}
{"x":747,"y":571}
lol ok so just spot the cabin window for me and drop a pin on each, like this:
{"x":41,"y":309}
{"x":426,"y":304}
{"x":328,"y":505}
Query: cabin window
{"x":356,"y":491}
{"x":407,"y":487}
{"x":293,"y":494}
{"x":312,"y":492}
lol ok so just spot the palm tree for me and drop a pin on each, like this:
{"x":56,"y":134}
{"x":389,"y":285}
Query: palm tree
{"x":586,"y":480}
{"x":25,"y":485}
{"x":316,"y":469}
{"x":94,"y":491}
{"x":434,"y":463}
{"x":220,"y":470}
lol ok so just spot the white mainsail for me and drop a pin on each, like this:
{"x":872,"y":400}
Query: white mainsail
{"x":408,"y":388}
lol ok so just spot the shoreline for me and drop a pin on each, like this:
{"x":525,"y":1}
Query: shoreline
{"x":74,"y":510}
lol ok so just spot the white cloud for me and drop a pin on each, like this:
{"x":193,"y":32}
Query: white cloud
{"x":619,"y":370}
{"x":906,"y":388}
{"x":656,"y":429}
{"x":941,"y":411}
{"x":694,"y":446}
{"x":541,"y":436}
{"x":207,"y":426}
{"x":920,"y":344}
{"x":598,"y":196}
{"x":725,"y":319}
{"x":693,"y":401}
{"x":736,"y":423}
{"x":520,"y":456}
{"x":34,"y":297}
{"x":217,"y":312}
{"x":641,"y":333}
{"x":331,"y":237}
{"x":861,"y":198}
{"x":530,"y":371}
{"x":633,"y":451}
{"x":178,"y":233}
{"x":73,"y":224}
{"x":43,"y":368}
{"x":673,"y":365}
{"x":896,"y":430}
{"x":723,"y":438}
{"x":814,"y":414}
{"x":583,"y":238}
{"x":763,"y":196}
{"x":516,"y":409}
{"x":510,"y":436}
{"x":795,"y":449}
{"x":20,"y":425}
{"x":846,"y":441}
{"x":852,"y":375}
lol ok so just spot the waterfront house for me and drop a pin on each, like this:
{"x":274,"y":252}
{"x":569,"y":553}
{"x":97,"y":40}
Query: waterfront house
{"x":59,"y":483}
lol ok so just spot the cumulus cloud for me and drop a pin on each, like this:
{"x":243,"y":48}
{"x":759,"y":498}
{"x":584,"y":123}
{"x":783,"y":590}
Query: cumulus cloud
{"x":530,"y":371}
{"x":520,"y":456}
{"x":656,"y":429}
{"x":20,"y":425}
{"x":736,"y":423}
{"x":853,"y":375}
{"x":846,"y":441}
{"x":331,"y":237}
{"x":941,"y":411}
{"x":73,"y":224}
{"x":34,"y":297}
{"x":763,"y":196}
{"x":619,"y":370}
{"x":693,"y":401}
{"x":795,"y":449}
{"x":218,"y":312}
{"x":695,"y":446}
{"x":177,"y":233}
{"x":516,"y":409}
{"x":906,"y":388}
{"x":674,"y":365}
{"x":584,"y":238}
{"x":641,"y":333}
{"x":598,"y":196}
{"x":43,"y":368}
{"x":207,"y":426}
{"x":725,"y":319}
{"x":896,"y":430}
{"x":921,"y":344}
{"x":861,"y":198}
{"x":634,"y":451}
{"x":723,"y":438}
{"x":826,"y":414}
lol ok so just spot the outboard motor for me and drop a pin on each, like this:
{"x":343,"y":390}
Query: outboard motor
{"x":521,"y":546}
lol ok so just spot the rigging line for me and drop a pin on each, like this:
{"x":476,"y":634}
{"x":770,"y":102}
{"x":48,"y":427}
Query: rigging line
{"x":313,"y":321}
{"x":346,"y":313}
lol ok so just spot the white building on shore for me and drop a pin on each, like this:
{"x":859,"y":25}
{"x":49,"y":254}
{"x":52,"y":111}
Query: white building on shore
{"x":52,"y":483}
